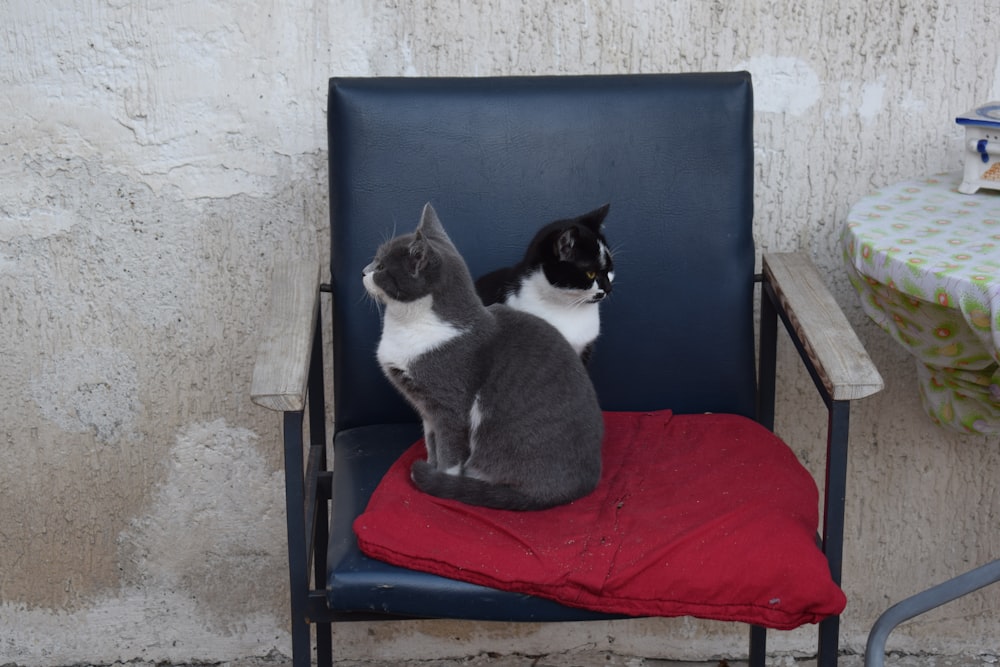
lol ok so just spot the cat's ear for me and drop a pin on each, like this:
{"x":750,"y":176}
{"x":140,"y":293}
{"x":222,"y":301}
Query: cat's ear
{"x":430,"y":226}
{"x":564,"y":245}
{"x":428,"y":232}
{"x":595,"y":219}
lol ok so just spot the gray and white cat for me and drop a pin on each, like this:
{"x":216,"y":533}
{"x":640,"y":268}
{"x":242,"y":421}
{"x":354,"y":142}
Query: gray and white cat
{"x":566,"y":271}
{"x":510,"y":417}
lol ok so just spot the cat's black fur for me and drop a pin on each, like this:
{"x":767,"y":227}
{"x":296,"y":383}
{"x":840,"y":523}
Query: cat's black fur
{"x":566,"y":271}
{"x":510,"y":417}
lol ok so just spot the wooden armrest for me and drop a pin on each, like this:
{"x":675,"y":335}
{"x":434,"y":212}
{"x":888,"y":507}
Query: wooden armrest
{"x":281,"y":369}
{"x":841,"y":361}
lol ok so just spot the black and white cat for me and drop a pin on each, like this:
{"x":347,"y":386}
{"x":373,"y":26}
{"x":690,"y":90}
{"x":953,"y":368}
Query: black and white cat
{"x":510,"y":417}
{"x":565,"y":273}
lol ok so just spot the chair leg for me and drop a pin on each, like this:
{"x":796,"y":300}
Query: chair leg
{"x":834,"y":500}
{"x":829,"y":642}
{"x":301,"y":650}
{"x":324,"y":645}
{"x":758,"y":646}
{"x":308,"y":526}
{"x":298,"y":571}
{"x":924,"y":601}
{"x":835,"y":491}
{"x":324,"y":631}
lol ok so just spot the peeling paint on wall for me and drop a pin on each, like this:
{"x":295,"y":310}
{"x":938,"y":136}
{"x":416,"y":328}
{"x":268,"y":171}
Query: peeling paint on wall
{"x":783,"y":85}
{"x":196,"y":535}
{"x":870,"y":104}
{"x":197,"y":571}
{"x":90,"y":390}
{"x":153,"y":625}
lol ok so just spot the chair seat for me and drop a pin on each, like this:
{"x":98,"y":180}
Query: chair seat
{"x":687,"y":504}
{"x":357,"y":583}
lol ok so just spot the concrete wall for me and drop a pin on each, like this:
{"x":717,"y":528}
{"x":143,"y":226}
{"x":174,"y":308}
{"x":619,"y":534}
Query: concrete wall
{"x":157,"y":157}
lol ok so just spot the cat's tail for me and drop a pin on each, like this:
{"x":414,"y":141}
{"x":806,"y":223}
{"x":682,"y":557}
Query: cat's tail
{"x":474,"y":491}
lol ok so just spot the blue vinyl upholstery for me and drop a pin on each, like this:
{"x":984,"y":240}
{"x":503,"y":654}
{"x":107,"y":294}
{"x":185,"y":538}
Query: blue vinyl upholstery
{"x":499,"y":157}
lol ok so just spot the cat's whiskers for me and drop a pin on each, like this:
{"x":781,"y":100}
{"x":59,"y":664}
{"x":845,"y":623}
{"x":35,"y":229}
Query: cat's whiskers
{"x":373,"y":303}
{"x":386,"y":236}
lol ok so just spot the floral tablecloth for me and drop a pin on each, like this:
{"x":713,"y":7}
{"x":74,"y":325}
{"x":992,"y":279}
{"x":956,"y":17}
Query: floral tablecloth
{"x":926,"y":261}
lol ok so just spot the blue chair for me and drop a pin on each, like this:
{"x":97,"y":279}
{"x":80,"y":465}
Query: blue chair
{"x":498,"y":157}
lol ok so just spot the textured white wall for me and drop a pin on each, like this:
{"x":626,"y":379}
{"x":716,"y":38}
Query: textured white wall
{"x":157,"y":157}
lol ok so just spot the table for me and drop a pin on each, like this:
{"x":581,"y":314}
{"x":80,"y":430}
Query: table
{"x":926,"y":261}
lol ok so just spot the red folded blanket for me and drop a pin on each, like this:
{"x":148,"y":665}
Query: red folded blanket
{"x":695,"y":515}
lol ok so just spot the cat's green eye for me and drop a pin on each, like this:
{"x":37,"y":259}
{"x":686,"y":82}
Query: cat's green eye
{"x":591,"y":275}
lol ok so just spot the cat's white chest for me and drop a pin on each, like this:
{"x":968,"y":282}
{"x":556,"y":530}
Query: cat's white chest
{"x":410,"y":330}
{"x":576,"y":319}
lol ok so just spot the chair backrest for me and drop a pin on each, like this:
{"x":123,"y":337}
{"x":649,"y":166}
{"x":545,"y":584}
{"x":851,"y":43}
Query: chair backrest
{"x":500,"y":157}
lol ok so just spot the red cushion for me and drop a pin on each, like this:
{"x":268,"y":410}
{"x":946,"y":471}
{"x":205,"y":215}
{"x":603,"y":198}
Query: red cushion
{"x":695,"y":515}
